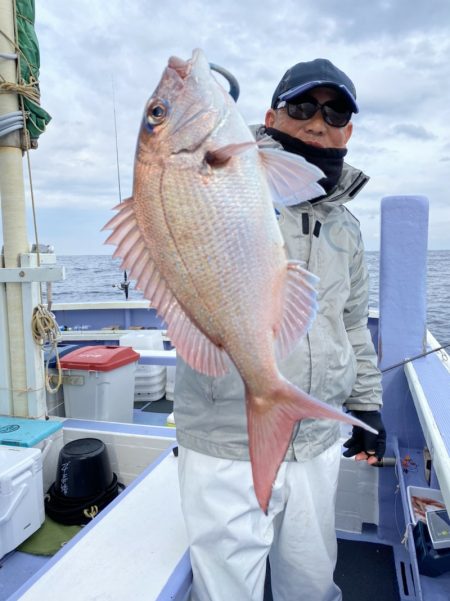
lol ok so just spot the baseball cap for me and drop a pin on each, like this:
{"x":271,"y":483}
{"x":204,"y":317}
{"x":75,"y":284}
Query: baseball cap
{"x":320,"y":72}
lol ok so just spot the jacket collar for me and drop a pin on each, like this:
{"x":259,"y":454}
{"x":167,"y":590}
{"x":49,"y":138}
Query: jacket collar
{"x":349,"y":185}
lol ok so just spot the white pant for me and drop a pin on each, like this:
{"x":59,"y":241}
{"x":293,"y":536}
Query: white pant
{"x":230,"y":536}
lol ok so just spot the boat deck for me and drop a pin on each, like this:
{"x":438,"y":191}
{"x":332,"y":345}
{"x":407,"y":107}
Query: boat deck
{"x":360,"y":562}
{"x":372,"y":565}
{"x":364,"y":571}
{"x":17,"y":567}
{"x":109,"y":558}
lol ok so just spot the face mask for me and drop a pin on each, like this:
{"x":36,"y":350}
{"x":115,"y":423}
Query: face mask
{"x":329,"y":160}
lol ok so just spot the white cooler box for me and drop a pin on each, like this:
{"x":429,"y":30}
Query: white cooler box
{"x":46,"y":435}
{"x":21,"y":496}
{"x":99,"y":383}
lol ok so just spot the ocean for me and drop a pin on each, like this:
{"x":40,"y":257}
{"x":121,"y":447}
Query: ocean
{"x":98,"y":278}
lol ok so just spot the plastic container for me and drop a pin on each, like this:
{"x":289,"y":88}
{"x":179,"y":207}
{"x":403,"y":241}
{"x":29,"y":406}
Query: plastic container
{"x":146,"y":340}
{"x":63,"y":350}
{"x":21,"y":498}
{"x":100,"y":385}
{"x":438,"y":523}
{"x":150,"y":380}
{"x":149,"y":388}
{"x":423,"y":493}
{"x":45,"y":435}
{"x":84,"y":469}
{"x":430,"y":561}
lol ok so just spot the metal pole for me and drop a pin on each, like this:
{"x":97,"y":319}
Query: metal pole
{"x":13,"y":216}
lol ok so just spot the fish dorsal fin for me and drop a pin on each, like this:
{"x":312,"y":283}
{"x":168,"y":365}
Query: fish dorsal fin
{"x":291,"y":178}
{"x":191,"y":344}
{"x":299,"y":308}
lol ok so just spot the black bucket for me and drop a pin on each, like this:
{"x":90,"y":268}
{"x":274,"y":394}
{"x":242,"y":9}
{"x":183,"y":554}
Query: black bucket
{"x":84,"y":485}
{"x":83,"y":469}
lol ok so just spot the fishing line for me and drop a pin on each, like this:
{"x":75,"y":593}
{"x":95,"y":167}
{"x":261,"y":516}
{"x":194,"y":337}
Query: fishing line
{"x":117,"y":145}
{"x":125,"y":284}
{"x":435,"y":350}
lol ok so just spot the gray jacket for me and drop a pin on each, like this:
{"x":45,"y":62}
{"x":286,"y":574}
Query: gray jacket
{"x":336,"y":362}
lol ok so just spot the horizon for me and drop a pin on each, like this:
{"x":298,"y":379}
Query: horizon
{"x":430,"y":250}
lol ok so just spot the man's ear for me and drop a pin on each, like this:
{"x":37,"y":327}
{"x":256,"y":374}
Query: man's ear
{"x":270,"y":118}
{"x":348,"y":131}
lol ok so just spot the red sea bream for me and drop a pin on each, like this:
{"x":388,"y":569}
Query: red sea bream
{"x":200,"y":237}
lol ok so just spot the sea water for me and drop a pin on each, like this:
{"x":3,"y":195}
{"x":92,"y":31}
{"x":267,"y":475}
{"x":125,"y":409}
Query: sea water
{"x":98,"y":278}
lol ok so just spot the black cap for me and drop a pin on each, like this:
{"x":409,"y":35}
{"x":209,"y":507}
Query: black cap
{"x":317,"y":73}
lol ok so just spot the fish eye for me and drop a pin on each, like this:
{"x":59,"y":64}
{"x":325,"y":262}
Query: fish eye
{"x":156,"y":112}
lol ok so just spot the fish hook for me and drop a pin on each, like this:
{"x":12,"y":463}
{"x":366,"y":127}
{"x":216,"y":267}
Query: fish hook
{"x":233,"y":82}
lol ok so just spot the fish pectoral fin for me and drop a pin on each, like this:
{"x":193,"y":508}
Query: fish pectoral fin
{"x":291,"y":178}
{"x":299,"y":308}
{"x":270,"y":427}
{"x":220,"y":156}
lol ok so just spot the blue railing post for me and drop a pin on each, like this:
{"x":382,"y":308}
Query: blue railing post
{"x":402,"y":331}
{"x":402,"y":325}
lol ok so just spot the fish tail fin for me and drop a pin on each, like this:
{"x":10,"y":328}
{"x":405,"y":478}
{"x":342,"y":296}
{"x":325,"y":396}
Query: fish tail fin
{"x":270,"y":426}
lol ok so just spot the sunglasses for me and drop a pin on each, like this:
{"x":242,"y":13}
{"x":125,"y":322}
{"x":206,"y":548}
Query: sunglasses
{"x":333,"y":112}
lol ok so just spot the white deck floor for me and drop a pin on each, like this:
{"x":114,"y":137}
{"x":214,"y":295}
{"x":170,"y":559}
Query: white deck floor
{"x":129,"y":552}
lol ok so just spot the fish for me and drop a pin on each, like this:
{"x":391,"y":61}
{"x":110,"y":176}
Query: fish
{"x":201,"y":238}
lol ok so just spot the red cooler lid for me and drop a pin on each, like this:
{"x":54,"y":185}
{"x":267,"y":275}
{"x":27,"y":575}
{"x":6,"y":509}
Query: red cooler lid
{"x":99,"y":358}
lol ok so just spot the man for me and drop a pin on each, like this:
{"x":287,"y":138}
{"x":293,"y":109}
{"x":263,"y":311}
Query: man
{"x":230,"y":537}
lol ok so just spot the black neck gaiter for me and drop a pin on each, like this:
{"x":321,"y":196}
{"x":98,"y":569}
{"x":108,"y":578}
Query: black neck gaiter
{"x":329,"y":160}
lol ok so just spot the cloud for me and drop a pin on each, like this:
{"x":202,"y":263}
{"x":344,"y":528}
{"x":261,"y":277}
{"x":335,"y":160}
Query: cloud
{"x":412,"y":131}
{"x":368,"y":20}
{"x":396,"y":51}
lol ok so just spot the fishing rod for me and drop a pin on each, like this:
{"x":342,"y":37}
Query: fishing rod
{"x":125,"y":284}
{"x":392,"y":461}
{"x":435,"y":350}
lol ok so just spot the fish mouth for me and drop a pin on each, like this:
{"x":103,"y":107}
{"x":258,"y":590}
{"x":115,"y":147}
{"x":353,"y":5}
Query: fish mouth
{"x":184,"y":68}
{"x":180,"y":66}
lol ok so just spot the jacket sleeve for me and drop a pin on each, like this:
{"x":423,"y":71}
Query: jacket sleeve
{"x":367,"y":392}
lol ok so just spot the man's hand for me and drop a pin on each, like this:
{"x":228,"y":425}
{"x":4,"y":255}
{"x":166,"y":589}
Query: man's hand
{"x":365,"y":445}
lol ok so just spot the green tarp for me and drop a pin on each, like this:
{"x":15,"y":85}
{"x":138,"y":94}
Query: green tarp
{"x":49,"y":539}
{"x":37,"y":117}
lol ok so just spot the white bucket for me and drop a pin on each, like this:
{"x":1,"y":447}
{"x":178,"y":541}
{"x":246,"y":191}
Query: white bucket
{"x":150,"y":380}
{"x":143,"y":340}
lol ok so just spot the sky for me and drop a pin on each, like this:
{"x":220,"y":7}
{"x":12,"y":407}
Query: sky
{"x":101,"y":56}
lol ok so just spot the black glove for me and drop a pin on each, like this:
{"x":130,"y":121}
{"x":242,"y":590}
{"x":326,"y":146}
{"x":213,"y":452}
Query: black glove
{"x":361,"y":440}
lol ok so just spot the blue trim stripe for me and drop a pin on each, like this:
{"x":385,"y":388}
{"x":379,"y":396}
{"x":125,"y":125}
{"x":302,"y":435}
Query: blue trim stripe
{"x":122,"y":428}
{"x":177,"y":587}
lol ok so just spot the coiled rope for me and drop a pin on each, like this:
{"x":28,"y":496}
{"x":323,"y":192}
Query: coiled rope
{"x":46,"y":333}
{"x":29,"y":90}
